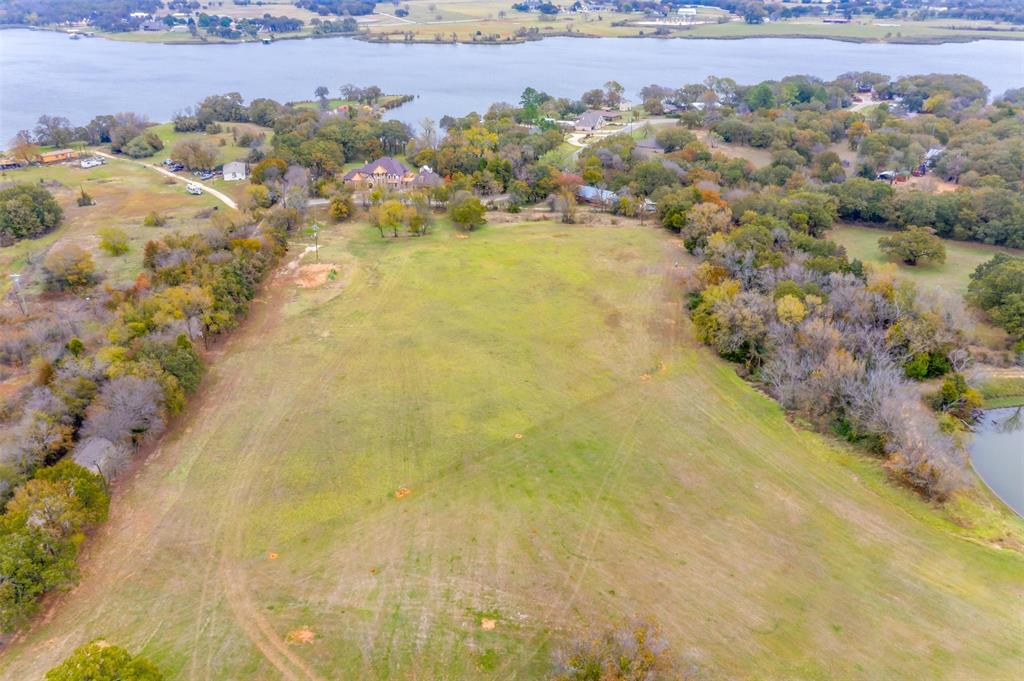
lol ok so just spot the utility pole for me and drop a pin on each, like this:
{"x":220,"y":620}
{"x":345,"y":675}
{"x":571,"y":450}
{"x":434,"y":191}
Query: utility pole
{"x":314,"y":231}
{"x":16,"y":278}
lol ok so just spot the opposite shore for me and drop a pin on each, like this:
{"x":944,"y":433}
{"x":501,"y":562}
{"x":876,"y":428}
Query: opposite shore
{"x":969,"y":35}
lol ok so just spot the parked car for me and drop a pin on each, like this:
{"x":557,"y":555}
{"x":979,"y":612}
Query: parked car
{"x":193,"y":188}
{"x":92,"y":162}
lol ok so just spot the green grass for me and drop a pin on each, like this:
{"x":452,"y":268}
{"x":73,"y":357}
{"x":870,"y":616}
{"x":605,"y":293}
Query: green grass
{"x":1002,"y":392}
{"x":648,"y":479}
{"x":962,"y":257}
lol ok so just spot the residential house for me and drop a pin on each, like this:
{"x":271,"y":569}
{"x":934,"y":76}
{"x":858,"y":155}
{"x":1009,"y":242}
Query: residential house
{"x":595,"y":119}
{"x":385,"y":172}
{"x":7,"y":163}
{"x":57,"y":155}
{"x":596,"y":196}
{"x":153,"y":26}
{"x":234,"y":170}
{"x":427,"y":179}
{"x":390,"y":173}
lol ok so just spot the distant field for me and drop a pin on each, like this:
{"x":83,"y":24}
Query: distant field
{"x":962,"y":257}
{"x":515,"y":426}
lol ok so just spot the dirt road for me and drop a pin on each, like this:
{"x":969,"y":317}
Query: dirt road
{"x":221,"y":196}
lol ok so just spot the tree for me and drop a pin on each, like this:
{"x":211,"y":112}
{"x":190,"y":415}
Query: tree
{"x":146,"y":144}
{"x":388,"y":215}
{"x":100,"y":661}
{"x":997,"y":287}
{"x":321,"y":93}
{"x":195,"y":154}
{"x":69,"y":267}
{"x":127,"y":410}
{"x":23,"y":149}
{"x":671,"y":139}
{"x":914,"y":245}
{"x":113,"y":241}
{"x":27,"y":211}
{"x":466,"y":211}
{"x":702,"y":221}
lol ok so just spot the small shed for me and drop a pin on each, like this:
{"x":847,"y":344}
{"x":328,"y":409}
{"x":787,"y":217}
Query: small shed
{"x":235,"y":170}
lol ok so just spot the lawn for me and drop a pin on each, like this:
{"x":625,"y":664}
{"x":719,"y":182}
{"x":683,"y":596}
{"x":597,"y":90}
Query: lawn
{"x":962,"y":257}
{"x":515,"y":426}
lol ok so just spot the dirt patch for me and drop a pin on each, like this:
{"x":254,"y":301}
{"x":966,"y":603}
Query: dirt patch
{"x":315,"y":275}
{"x":613,"y":320}
{"x":301,"y":635}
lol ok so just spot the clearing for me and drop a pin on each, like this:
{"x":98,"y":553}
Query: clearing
{"x":475,"y":448}
{"x":962,"y":257}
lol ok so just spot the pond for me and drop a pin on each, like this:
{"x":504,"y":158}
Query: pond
{"x":45,"y":72}
{"x":997,"y":453}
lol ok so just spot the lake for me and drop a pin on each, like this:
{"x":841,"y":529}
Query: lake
{"x":997,"y":452}
{"x":45,"y":72}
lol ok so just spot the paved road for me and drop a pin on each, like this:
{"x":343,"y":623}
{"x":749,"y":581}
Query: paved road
{"x":224,"y":198}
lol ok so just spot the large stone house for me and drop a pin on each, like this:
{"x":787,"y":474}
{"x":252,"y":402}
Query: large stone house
{"x":390,"y":173}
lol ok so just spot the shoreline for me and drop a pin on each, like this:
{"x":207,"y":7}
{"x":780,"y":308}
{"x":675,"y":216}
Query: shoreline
{"x":382,"y":39}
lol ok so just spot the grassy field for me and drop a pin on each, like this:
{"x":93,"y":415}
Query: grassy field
{"x":124,"y":193}
{"x":514,"y":426}
{"x":962,"y":257}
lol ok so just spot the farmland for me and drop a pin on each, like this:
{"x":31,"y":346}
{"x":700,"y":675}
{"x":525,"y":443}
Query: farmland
{"x":515,"y":426}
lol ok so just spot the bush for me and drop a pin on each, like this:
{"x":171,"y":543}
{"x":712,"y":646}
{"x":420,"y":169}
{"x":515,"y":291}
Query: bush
{"x":631,"y":652}
{"x":27,"y":212}
{"x":341,"y":207}
{"x":154,"y":219}
{"x":84,"y":199}
{"x":69,"y":267}
{"x":113,"y":241}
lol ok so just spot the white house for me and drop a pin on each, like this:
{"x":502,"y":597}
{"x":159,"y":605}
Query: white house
{"x":234,"y":170}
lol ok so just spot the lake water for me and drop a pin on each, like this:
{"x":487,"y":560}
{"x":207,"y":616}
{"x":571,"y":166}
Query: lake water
{"x":45,"y":72}
{"x":997,"y":452}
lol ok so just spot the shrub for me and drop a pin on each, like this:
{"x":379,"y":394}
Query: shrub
{"x":341,"y":207}
{"x":113,"y":241}
{"x":84,"y":199}
{"x":631,"y":652}
{"x":154,"y":219}
{"x":69,"y":267}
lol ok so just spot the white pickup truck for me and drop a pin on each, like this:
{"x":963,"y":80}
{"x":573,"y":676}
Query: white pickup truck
{"x":193,"y":188}
{"x":92,"y":162}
